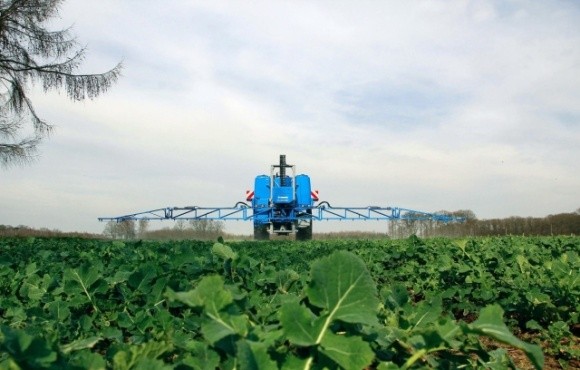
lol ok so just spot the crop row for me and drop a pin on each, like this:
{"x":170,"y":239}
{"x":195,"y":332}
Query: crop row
{"x":73,"y":303}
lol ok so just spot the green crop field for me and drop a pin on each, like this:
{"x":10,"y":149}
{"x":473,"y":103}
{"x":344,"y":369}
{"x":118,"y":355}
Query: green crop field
{"x":493,"y":303}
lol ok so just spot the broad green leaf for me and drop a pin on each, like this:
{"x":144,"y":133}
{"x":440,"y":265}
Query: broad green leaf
{"x":558,"y":331}
{"x":155,"y":295}
{"x":448,"y":330}
{"x":298,"y":324}
{"x":80,"y":281}
{"x":222,"y":324}
{"x":387,"y":366}
{"x":31,"y":269}
{"x":213,"y":297}
{"x":34,"y":287}
{"x":203,"y":357}
{"x":533,"y":325}
{"x":141,"y":279}
{"x":87,"y":360}
{"x":143,"y":320}
{"x":349,"y":352}
{"x":59,"y":310}
{"x":26,"y":350}
{"x":490,"y":323}
{"x":118,"y":277}
{"x":138,"y":356}
{"x":253,"y":356}
{"x":567,"y":270}
{"x":462,"y":244}
{"x":15,"y":341}
{"x":427,"y":313}
{"x":342,"y":286}
{"x":184,"y":258}
{"x":396,"y":296}
{"x":285,"y":279}
{"x":523,"y":263}
{"x":417,"y":341}
{"x":16,"y":314}
{"x":498,"y":360}
{"x":537,"y":298}
{"x":190,"y":298}
{"x":387,"y":335}
{"x":224,"y":251}
{"x":118,"y":244}
{"x":80,"y":344}
{"x":111,"y":333}
{"x":85,"y":276}
{"x":85,"y":322}
{"x":292,"y":362}
{"x":149,"y":364}
{"x":164,"y":320}
{"x":209,"y":293}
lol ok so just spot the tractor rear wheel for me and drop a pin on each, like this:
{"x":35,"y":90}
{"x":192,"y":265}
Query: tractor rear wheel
{"x":261,"y":232}
{"x":304,"y":233}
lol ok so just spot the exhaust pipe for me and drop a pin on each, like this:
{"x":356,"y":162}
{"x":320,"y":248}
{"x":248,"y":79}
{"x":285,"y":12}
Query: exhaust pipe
{"x":282,"y":170}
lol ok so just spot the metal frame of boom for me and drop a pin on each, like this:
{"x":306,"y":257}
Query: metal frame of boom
{"x":321,"y":212}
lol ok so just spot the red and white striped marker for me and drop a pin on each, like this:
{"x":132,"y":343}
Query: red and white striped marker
{"x":249,"y":195}
{"x":314,"y":195}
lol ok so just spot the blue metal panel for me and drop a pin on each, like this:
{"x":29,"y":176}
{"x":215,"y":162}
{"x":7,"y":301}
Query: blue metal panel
{"x":261,"y":200}
{"x":261,"y":191}
{"x":303,"y":190}
{"x":283,"y":194}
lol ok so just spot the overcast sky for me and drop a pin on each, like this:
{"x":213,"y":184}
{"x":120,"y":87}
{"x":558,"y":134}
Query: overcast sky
{"x":429,"y":105}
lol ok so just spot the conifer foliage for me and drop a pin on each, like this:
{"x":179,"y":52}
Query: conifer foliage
{"x":31,"y":54}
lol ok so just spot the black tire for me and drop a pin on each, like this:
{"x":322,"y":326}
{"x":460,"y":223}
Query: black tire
{"x":305,"y":233}
{"x":261,"y":232}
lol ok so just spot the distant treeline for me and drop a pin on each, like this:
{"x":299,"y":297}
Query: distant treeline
{"x":559,"y":224}
{"x":181,"y":230}
{"x":25,"y":231}
{"x":130,"y":230}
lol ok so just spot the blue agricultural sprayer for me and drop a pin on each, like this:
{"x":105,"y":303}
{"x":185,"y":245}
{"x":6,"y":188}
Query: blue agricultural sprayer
{"x":283,"y":204}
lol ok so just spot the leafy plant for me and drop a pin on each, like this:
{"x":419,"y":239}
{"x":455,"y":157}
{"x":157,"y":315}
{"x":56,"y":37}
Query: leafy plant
{"x":386,"y":304}
{"x":342,"y":288}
